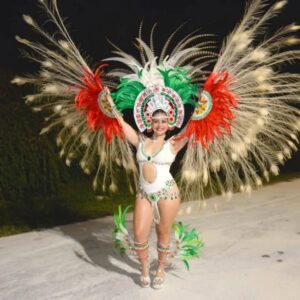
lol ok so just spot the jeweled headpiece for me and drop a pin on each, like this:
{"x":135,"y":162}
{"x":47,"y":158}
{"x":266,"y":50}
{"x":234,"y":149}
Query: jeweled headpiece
{"x":154,"y":88}
{"x":155,"y":98}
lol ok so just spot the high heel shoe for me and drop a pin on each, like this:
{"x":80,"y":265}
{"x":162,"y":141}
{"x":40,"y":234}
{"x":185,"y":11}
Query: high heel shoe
{"x":142,"y":254}
{"x":145,"y":280}
{"x":159,"y":279}
{"x":163,"y":253}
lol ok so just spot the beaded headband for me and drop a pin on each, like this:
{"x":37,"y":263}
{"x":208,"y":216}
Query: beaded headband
{"x":159,"y":117}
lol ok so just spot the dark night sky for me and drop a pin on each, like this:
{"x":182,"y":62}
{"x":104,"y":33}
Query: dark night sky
{"x":92,"y":21}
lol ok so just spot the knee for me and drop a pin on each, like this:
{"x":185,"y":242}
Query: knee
{"x":140,"y":236}
{"x":163,"y":236}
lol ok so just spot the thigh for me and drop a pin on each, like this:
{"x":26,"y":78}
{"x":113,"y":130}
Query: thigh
{"x":143,"y":217}
{"x":168,"y":210}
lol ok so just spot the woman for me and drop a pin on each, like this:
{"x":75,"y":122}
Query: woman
{"x":158,"y":197}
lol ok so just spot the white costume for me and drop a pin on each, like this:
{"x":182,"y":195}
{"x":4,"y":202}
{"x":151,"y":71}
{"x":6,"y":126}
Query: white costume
{"x":163,"y":182}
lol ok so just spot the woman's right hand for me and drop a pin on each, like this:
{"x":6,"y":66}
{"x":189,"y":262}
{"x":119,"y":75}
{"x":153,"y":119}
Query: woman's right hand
{"x":130,"y":134}
{"x":109,"y":98}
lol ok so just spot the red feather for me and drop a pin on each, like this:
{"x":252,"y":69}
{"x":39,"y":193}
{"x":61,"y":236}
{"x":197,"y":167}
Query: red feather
{"x":86,"y":100}
{"x":218,"y":121}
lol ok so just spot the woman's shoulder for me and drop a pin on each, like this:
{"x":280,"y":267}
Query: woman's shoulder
{"x":142,"y":138}
{"x":176,"y":144}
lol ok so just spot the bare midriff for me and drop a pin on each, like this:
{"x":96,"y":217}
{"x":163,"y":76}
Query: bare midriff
{"x":149,"y":172}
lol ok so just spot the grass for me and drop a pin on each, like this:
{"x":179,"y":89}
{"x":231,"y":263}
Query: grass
{"x":73,"y":203}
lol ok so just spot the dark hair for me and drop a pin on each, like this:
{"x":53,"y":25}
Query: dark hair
{"x":159,"y":111}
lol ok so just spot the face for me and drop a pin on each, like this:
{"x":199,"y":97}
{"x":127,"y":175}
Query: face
{"x":160,"y":123}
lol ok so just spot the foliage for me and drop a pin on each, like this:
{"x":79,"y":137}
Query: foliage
{"x":37,"y":189}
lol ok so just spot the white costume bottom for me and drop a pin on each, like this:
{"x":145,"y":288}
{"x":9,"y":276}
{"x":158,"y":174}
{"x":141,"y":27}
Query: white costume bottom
{"x":157,"y":190}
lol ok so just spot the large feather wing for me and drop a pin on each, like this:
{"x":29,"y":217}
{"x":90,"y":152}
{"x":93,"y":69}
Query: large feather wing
{"x":253,"y":123}
{"x":69,"y":93}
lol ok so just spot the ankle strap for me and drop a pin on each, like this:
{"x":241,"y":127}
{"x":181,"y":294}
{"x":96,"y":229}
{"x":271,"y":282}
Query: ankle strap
{"x":141,"y":246}
{"x":164,"y":249}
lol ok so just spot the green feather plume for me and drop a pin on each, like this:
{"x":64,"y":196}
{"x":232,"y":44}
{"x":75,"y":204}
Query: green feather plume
{"x":188,"y":243}
{"x":120,"y":233}
{"x":176,"y":78}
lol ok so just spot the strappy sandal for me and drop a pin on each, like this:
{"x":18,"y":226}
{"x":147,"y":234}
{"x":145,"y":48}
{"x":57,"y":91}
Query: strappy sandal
{"x":144,"y":280}
{"x":159,"y":279}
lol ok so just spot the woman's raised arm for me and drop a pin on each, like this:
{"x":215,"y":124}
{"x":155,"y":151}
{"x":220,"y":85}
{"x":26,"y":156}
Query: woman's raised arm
{"x":129,"y":133}
{"x":178,"y":143}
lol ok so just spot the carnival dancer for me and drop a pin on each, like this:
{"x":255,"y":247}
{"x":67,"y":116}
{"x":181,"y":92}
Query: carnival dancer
{"x":158,"y":194}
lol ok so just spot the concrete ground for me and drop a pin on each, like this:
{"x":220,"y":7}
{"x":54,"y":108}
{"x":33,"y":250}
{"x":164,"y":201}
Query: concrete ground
{"x":252,"y":252}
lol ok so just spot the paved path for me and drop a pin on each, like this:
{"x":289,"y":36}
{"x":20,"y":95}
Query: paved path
{"x":252,"y":253}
